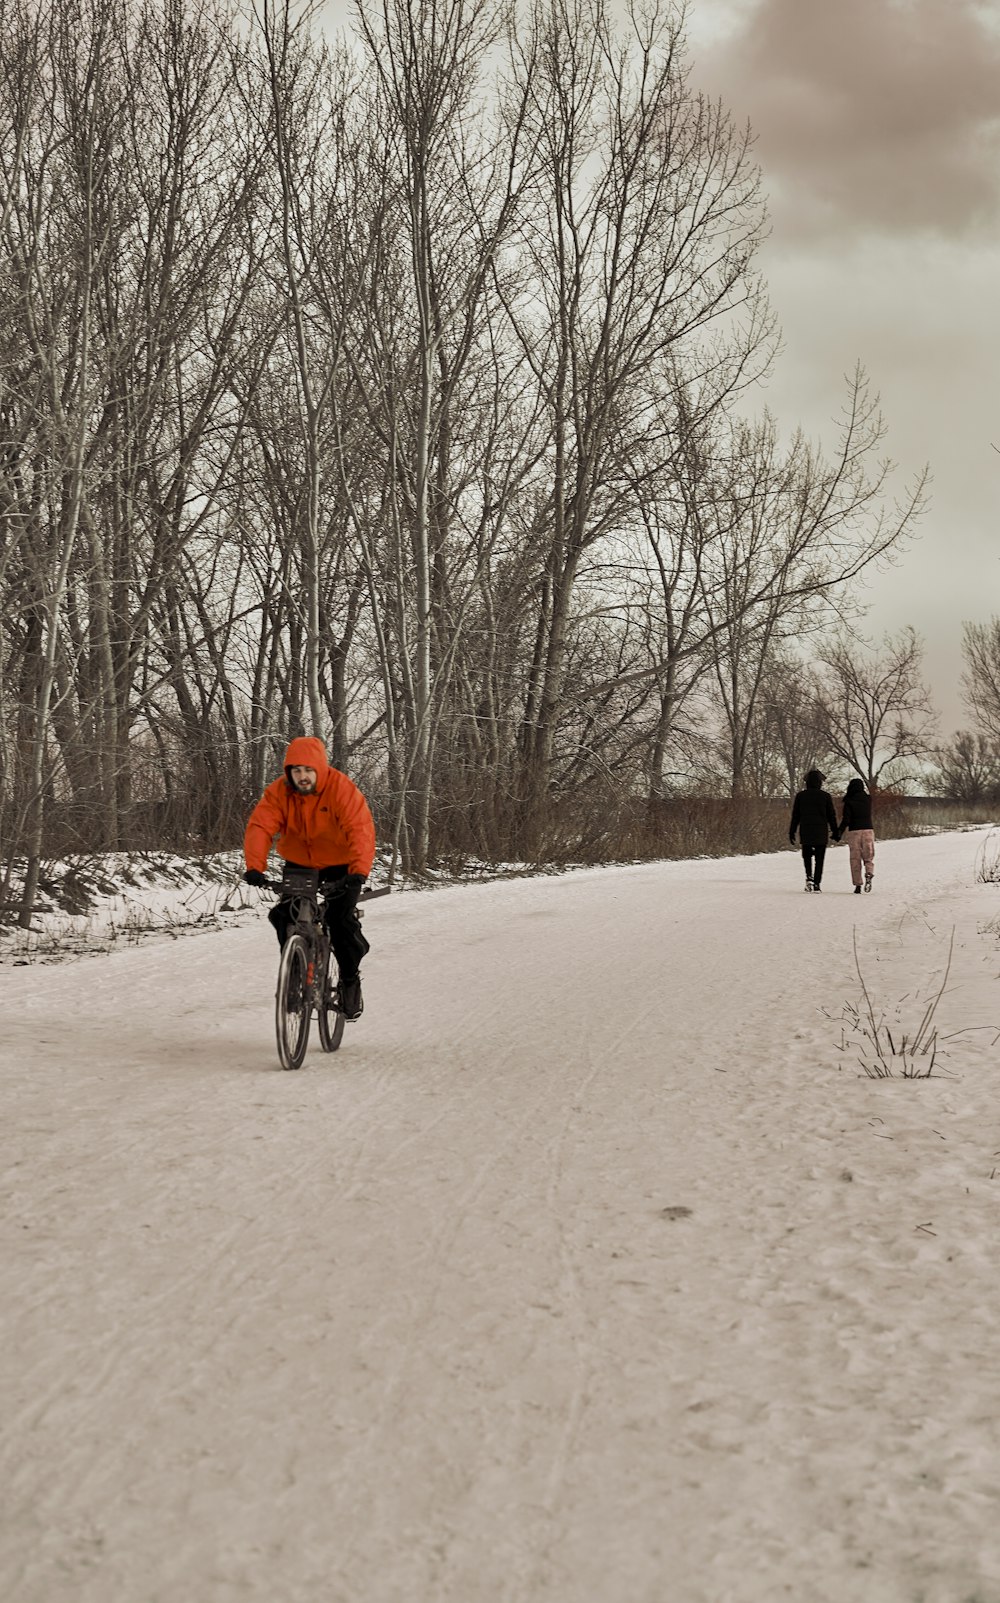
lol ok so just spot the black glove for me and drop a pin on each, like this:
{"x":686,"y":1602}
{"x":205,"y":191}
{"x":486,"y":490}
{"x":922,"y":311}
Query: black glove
{"x":354,"y":884}
{"x":791,"y":840}
{"x":253,"y":876}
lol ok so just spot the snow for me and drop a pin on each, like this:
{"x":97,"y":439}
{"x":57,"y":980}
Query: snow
{"x":592,"y":1269}
{"x":88,"y":904}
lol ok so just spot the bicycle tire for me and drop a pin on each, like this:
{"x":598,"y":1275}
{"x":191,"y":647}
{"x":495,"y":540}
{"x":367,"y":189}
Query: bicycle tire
{"x":293,"y":1005}
{"x":331,"y":1019}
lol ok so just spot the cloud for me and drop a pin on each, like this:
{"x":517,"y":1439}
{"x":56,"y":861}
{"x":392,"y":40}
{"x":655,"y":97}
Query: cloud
{"x":870,"y":115}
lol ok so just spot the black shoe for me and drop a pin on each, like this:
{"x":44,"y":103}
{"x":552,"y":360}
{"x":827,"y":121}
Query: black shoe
{"x":868,"y":882}
{"x":351,"y":1004}
{"x":809,"y":884}
{"x":857,"y":890}
{"x":817,"y":889}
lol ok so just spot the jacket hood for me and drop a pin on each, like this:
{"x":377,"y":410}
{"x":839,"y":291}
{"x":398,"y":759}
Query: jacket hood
{"x":305,"y":751}
{"x":814,"y":779}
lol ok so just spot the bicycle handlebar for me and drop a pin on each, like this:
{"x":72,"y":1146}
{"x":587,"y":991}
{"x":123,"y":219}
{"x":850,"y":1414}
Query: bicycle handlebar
{"x":330,"y":888}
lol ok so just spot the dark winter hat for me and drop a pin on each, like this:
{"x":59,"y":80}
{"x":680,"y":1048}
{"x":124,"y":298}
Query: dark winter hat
{"x":814,"y":779}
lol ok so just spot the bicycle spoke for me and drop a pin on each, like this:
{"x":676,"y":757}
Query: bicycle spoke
{"x":331,"y":1020}
{"x":293,"y":1003}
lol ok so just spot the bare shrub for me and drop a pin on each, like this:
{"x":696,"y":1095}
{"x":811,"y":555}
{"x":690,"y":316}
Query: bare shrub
{"x":890,"y":815}
{"x":597,"y":823}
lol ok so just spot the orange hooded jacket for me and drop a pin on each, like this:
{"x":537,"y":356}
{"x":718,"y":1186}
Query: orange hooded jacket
{"x":333,"y":825}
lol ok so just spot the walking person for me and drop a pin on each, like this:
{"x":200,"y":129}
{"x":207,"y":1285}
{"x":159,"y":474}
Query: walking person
{"x":856,"y":823}
{"x":317,"y":818}
{"x":814,"y":817}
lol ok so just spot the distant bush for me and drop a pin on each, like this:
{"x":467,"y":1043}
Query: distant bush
{"x":593,"y":827}
{"x":890,"y":815}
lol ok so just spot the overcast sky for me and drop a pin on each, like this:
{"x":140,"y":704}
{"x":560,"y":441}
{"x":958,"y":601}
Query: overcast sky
{"x":878,"y":131}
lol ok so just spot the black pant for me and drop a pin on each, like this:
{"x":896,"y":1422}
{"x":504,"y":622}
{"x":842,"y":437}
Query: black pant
{"x":808,"y":854}
{"x":342,"y":922}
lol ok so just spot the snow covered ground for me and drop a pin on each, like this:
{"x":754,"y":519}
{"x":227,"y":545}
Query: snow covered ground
{"x":593,"y":1269}
{"x":96,"y":903}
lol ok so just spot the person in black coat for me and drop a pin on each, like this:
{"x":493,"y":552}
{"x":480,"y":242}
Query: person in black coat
{"x":856,"y":824}
{"x":814,"y":818}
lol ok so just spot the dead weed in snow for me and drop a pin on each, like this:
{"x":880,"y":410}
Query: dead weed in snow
{"x":908,"y":1044}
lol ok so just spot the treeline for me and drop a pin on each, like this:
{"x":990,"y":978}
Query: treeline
{"x":399,"y":392}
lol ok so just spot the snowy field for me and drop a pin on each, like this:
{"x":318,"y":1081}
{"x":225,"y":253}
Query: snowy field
{"x":593,"y":1269}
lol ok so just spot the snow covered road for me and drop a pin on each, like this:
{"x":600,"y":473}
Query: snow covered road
{"x":589,"y":1270}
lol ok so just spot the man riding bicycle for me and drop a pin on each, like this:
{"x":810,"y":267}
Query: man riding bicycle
{"x":322,"y":822}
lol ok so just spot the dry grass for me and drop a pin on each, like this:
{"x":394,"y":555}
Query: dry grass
{"x":603,"y":827}
{"x":988,"y":860}
{"x":908,"y":1049}
{"x":885,"y":1051}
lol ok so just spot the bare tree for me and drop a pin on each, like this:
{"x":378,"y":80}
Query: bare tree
{"x":392,"y":389}
{"x":981,"y":678}
{"x":125,"y":194}
{"x":779,"y":738}
{"x":641,"y":248}
{"x":66,"y":151}
{"x":794,"y":531}
{"x":428,"y":373}
{"x":873,"y":711}
{"x":788,"y":710}
{"x":303,"y":112}
{"x":967,"y":768}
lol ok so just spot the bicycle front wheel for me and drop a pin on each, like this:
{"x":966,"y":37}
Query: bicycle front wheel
{"x":331,"y":1019}
{"x":292,"y":1003}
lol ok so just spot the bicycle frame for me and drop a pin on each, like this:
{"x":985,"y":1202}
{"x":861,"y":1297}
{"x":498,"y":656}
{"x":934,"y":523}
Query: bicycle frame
{"x":304,"y":971}
{"x":303,"y":896}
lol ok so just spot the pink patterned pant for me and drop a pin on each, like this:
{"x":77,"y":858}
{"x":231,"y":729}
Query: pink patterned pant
{"x":861,"y":845}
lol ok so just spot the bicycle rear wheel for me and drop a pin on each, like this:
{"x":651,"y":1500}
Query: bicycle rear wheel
{"x":331,"y":1020}
{"x":292,"y":1003}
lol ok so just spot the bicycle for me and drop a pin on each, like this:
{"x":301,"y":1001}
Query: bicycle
{"x":306,"y":984}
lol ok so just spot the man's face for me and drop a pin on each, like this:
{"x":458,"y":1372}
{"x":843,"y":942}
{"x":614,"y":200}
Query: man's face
{"x":304,"y":780}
